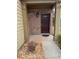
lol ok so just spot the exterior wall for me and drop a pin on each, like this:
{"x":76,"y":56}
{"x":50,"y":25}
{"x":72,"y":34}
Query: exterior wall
{"x":35,"y":21}
{"x":58,"y":20}
{"x":26,"y":25}
{"x":51,"y":23}
{"x":20,"y":27}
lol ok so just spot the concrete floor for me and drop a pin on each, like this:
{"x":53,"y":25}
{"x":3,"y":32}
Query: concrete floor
{"x":46,"y":48}
{"x":24,"y":53}
{"x":50,"y":49}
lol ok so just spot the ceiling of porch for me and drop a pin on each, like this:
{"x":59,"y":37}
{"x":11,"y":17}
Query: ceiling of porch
{"x":41,"y":5}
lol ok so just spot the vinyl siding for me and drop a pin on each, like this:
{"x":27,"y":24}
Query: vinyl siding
{"x":20,"y":29}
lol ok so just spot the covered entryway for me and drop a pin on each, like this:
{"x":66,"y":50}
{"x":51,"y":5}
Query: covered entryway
{"x":39,"y":18}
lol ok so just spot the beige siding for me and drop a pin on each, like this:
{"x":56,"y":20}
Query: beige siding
{"x":20,"y":29}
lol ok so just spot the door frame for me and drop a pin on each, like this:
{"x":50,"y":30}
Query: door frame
{"x":49,"y":23}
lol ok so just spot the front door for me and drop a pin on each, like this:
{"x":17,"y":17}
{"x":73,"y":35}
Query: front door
{"x":45,"y":23}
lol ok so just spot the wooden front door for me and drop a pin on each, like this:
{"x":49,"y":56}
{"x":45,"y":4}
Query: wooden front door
{"x":45,"y":23}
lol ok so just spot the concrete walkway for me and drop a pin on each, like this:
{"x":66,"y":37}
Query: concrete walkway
{"x":51,"y":51}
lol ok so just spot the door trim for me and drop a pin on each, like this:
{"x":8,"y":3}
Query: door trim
{"x":49,"y":23}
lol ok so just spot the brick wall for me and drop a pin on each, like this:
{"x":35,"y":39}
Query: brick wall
{"x":35,"y":21}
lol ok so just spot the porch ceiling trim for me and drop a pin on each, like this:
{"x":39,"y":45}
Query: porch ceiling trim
{"x":33,"y":2}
